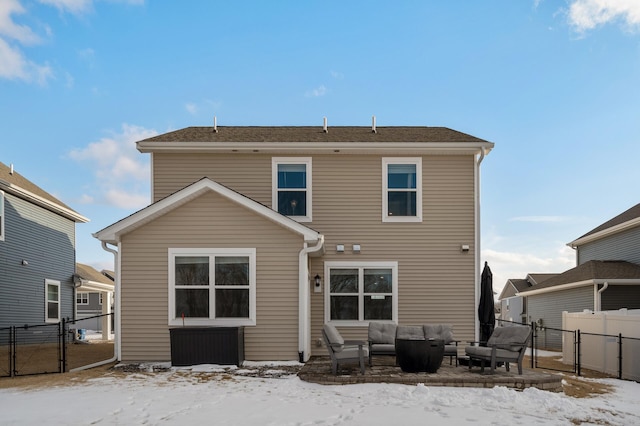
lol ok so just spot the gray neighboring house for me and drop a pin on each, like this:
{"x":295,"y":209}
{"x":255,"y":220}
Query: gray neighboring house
{"x":37,"y":253}
{"x":94,"y":295}
{"x":513,"y":307}
{"x":606,"y":278}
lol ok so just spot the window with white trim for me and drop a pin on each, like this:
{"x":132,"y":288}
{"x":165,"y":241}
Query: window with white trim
{"x":52,"y":301}
{"x":82,"y":298}
{"x":359,"y":292}
{"x":401,"y":189}
{"x":291,"y":187}
{"x":1,"y":216}
{"x":212,"y":286}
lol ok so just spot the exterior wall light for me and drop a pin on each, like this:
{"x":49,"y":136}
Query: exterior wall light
{"x":317,"y":284}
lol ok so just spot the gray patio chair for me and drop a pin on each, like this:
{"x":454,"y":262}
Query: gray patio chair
{"x":443,"y":332}
{"x":381,"y":339}
{"x":343,"y":351}
{"x":506,"y":344}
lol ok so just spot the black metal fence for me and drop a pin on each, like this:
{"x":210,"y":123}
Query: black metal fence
{"x":37,"y":349}
{"x":625,"y":348}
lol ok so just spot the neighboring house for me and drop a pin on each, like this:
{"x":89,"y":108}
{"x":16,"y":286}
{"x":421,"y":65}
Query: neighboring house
{"x":512,"y":306}
{"x":94,"y":292}
{"x":607,"y":276}
{"x":37,"y":253}
{"x":282,"y":229}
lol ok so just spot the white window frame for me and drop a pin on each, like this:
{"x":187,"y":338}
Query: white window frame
{"x":275,"y":161}
{"x":212,"y":253}
{"x":2,"y":230}
{"x":386,"y":161}
{"x":47,"y":283}
{"x":361,"y":266}
{"x":84,"y":298}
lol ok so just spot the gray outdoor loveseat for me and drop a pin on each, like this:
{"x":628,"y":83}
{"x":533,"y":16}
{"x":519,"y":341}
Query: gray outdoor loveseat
{"x":382,"y":337}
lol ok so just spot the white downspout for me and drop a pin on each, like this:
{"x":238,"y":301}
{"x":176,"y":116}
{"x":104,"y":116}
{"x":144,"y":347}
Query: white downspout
{"x":304,"y":308}
{"x":116,"y":340}
{"x":477,"y":242}
{"x":597,"y":304}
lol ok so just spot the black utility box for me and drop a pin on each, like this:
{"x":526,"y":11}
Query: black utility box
{"x":207,"y":345}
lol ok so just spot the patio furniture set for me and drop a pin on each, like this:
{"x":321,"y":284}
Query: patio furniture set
{"x":422,"y":348}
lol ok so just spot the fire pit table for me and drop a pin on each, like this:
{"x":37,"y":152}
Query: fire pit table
{"x":419,"y":355}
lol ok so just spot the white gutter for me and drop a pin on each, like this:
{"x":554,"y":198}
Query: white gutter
{"x":304,"y":308}
{"x":477,"y":242}
{"x":605,"y":233}
{"x":116,"y":343}
{"x":621,"y":281}
{"x":597,"y":303}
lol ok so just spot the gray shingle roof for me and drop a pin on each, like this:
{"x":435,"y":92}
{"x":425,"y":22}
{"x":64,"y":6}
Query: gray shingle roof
{"x":632,"y":213}
{"x":88,"y":273}
{"x":314,"y":134}
{"x":593,"y":270}
{"x":20,"y":181}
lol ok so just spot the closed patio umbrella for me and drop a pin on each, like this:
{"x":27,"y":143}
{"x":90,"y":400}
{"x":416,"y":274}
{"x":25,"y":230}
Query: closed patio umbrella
{"x":486,"y":313}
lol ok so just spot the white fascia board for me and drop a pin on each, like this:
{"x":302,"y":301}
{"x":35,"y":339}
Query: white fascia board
{"x":42,"y":202}
{"x":605,"y":233}
{"x":558,"y":288}
{"x":394,"y":148}
{"x":111,"y":234}
{"x":87,"y":285}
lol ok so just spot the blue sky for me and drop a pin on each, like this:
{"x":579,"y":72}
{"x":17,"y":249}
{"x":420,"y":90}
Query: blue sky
{"x":554,"y":84}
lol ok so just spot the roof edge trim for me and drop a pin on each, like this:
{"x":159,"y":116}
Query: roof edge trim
{"x":605,"y":233}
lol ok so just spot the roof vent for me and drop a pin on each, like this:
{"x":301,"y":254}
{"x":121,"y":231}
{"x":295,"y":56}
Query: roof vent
{"x":11,"y":169}
{"x":215,"y":124}
{"x":324,"y":125}
{"x":373,"y":124}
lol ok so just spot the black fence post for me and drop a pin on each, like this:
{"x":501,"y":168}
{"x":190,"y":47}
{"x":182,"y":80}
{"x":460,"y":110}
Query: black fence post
{"x":533,"y":344}
{"x":579,"y":346}
{"x":63,"y":361}
{"x":620,"y":356}
{"x":12,"y":355}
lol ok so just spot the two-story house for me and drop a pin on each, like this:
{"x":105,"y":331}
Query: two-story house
{"x":37,"y":253}
{"x":282,"y":229}
{"x":607,"y":277}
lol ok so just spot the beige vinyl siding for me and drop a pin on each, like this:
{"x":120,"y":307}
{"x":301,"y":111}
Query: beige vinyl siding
{"x":436,"y":279}
{"x":209,"y":221}
{"x":250,"y":175}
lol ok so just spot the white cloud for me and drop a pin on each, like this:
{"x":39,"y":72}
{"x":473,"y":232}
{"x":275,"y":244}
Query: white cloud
{"x":121,"y":173}
{"x":14,"y":66}
{"x":10,"y":29}
{"x":585,"y":15}
{"x":507,"y":265}
{"x":75,"y":7}
{"x":539,"y":219}
{"x":319,"y":91}
{"x":337,"y":75}
{"x":191,"y":108}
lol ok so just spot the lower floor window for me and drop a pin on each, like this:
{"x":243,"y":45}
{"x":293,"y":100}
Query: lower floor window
{"x":209,"y":286}
{"x":52,"y":300}
{"x":363,"y":291}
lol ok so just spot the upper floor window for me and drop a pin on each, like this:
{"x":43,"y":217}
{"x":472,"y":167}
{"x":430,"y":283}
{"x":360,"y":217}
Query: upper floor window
{"x":358,"y":292}
{"x":52,"y":301}
{"x":1,"y":216}
{"x":402,"y":189}
{"x":291,"y":180}
{"x":212,"y":286}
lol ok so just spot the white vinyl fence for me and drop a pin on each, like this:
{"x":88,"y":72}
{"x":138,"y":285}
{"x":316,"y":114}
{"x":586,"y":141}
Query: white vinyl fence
{"x":600,"y":342}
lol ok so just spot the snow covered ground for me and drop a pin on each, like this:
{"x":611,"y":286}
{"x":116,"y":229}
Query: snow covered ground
{"x":215,"y":395}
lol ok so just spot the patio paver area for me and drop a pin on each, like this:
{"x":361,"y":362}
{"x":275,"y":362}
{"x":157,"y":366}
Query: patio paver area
{"x":384,"y":370}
